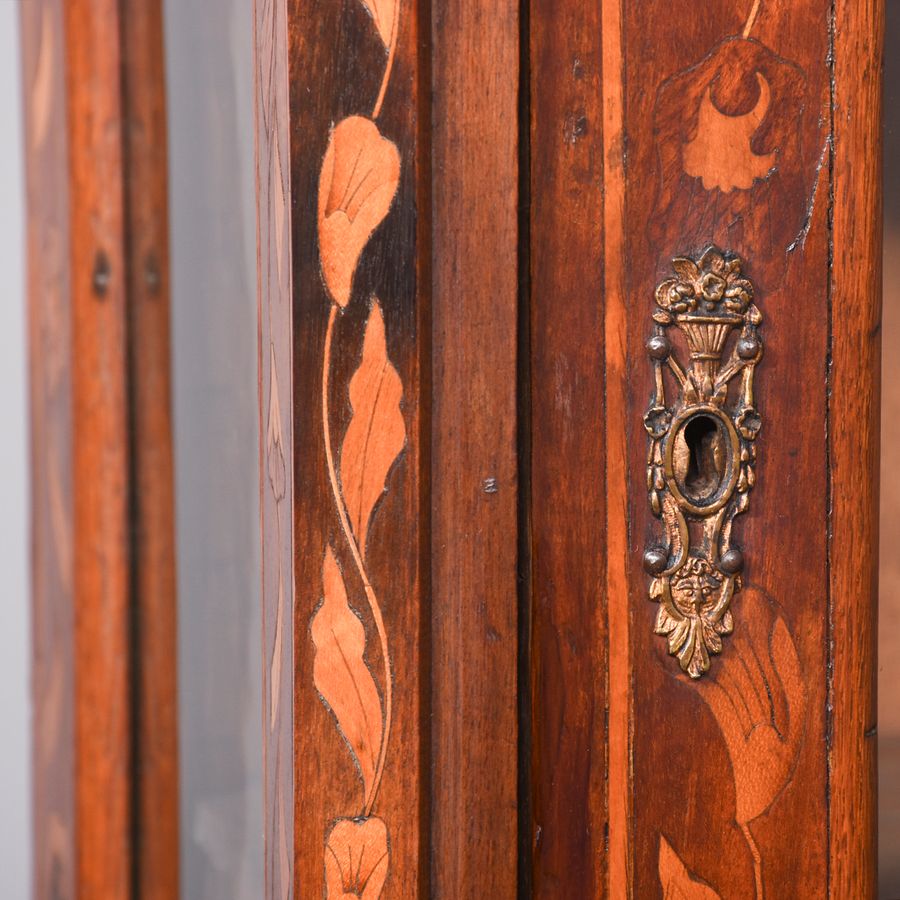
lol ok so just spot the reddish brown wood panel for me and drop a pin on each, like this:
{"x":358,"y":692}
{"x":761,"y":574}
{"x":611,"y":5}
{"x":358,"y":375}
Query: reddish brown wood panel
{"x":474,"y":471}
{"x":853,"y":416}
{"x":723,"y":141}
{"x":43,"y":36}
{"x":759,"y":713}
{"x":276,"y":430}
{"x":100,"y":450}
{"x":567,"y":453}
{"x":154,"y":685}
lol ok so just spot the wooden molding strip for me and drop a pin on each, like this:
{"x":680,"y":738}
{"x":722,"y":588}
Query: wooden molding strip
{"x":568,"y":534}
{"x":617,"y":596}
{"x":853,"y":434}
{"x":102,"y":551}
{"x":474,"y":471}
{"x":343,"y":591}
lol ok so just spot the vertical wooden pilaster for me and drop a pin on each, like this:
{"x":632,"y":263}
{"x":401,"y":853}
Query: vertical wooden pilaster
{"x":475,"y":484}
{"x":343,"y":356}
{"x":854,"y":409}
{"x":568,"y":443}
{"x":101,"y":482}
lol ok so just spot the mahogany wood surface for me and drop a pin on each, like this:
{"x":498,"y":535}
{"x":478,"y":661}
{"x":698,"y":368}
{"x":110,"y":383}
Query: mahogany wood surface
{"x":760,"y":713}
{"x":349,"y":388}
{"x":383,"y":268}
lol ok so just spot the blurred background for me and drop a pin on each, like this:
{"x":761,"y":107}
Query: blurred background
{"x":211,"y":127}
{"x":214,"y":348}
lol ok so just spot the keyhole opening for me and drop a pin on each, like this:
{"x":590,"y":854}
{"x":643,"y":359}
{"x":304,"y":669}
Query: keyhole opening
{"x":706,"y":457}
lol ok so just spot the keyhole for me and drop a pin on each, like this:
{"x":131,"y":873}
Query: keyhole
{"x":706,"y":457}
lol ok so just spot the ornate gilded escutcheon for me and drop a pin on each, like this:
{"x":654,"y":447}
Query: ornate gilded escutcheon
{"x":700,"y":464}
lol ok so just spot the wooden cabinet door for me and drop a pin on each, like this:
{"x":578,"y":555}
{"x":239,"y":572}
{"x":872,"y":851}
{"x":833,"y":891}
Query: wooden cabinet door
{"x":569,"y":348}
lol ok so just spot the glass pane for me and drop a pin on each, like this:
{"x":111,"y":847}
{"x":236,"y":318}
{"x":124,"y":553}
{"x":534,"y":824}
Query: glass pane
{"x":213,"y":239}
{"x":889,"y":606}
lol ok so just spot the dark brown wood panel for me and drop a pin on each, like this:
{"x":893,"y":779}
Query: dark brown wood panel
{"x":53,"y":824}
{"x":154,"y":685}
{"x":567,"y":497}
{"x":853,"y":416}
{"x":474,"y":474}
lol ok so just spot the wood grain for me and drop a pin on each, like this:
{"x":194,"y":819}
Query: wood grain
{"x":674,"y":201}
{"x":474,"y":483}
{"x":100,"y":450}
{"x":567,"y":837}
{"x":50,"y":371}
{"x":154,"y":682}
{"x":853,"y":416}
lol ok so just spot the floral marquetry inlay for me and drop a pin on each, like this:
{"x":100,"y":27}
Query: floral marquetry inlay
{"x":721,"y":154}
{"x":357,"y":183}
